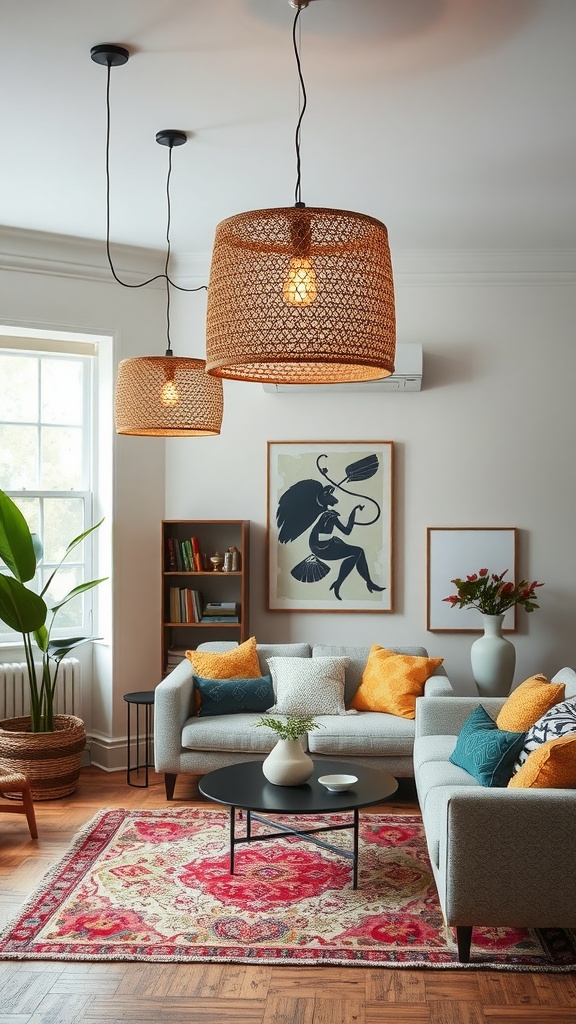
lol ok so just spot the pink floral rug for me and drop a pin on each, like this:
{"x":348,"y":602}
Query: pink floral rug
{"x":155,"y":886}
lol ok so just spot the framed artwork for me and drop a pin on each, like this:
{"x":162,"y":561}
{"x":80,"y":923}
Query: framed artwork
{"x":329,"y":536}
{"x":458,"y":552}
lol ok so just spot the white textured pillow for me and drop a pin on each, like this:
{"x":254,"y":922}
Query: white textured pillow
{"x":308,"y":686}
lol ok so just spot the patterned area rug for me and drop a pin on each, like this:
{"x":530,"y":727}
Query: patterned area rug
{"x":155,"y":886}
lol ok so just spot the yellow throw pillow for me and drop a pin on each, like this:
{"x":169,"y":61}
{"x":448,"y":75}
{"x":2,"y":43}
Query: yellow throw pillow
{"x":551,"y":766}
{"x":528,"y":702}
{"x":391,"y":682}
{"x":239,"y":663}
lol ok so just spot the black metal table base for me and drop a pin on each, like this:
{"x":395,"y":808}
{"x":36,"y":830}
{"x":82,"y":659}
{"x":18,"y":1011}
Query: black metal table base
{"x":143,"y":699}
{"x":306,"y":834}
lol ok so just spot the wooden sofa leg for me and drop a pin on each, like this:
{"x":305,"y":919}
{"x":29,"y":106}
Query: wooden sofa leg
{"x":169,"y":783}
{"x":464,"y":940}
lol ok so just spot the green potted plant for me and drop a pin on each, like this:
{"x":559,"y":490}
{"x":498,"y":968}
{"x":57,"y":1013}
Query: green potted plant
{"x":287,"y":763}
{"x":61,"y":737}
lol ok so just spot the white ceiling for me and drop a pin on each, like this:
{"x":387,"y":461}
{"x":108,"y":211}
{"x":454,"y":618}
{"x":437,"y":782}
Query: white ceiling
{"x":450,"y":120}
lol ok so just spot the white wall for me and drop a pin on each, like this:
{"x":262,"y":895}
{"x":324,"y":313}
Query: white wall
{"x":489,"y":441}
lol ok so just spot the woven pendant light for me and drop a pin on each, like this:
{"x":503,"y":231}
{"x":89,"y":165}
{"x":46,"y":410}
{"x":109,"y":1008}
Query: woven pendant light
{"x":301,"y":295}
{"x":167,"y":396}
{"x":159,"y":396}
{"x":259,"y":323}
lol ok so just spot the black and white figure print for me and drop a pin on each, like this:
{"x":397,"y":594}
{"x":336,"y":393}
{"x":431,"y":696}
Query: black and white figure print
{"x":330,"y":525}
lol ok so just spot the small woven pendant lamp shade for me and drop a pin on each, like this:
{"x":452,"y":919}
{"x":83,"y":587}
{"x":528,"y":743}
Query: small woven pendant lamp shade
{"x":167,"y":396}
{"x":301,"y":295}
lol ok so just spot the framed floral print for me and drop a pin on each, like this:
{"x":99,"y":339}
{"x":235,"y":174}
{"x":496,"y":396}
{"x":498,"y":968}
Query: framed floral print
{"x":458,"y":552}
{"x":329,"y":534}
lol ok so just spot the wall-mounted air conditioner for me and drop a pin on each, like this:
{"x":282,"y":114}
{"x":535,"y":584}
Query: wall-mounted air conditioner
{"x":406,"y":377}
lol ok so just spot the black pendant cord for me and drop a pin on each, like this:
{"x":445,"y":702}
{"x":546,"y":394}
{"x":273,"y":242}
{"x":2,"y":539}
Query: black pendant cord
{"x":157,"y":277}
{"x":298,"y":189}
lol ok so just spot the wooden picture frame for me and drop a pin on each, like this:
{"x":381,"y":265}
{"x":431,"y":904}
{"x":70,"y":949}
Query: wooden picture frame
{"x":329,"y":526}
{"x":457,"y":552}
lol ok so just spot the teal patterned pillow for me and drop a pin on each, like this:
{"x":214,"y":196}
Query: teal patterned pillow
{"x":485,"y":751}
{"x":233,"y":696}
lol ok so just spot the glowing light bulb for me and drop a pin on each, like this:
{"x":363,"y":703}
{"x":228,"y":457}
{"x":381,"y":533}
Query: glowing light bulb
{"x":169,"y":395}
{"x":300,"y":285}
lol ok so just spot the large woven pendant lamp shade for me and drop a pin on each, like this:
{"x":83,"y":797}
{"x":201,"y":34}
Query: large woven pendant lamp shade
{"x":301,"y":295}
{"x":167,"y":396}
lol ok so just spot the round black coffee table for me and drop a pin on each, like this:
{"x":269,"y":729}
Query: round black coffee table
{"x":244,"y":787}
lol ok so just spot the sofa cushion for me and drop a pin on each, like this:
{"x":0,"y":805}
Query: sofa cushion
{"x":368,"y":734}
{"x":240,"y":662}
{"x":391,"y":682}
{"x":357,"y":658}
{"x":308,"y":686}
{"x":485,"y":751}
{"x":266,"y":651}
{"x":558,"y":721}
{"x":229,"y":733}
{"x":528,"y":702}
{"x":232,"y":696}
{"x":551,"y":766}
{"x":568,"y":677}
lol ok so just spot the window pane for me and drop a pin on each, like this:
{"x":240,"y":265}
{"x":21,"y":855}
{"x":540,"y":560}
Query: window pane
{"x":30,"y":509}
{"x":18,"y":458}
{"x":19,"y":376}
{"x":63,"y":521}
{"x":70,"y":616}
{"x":62,"y":394}
{"x":61,"y":454}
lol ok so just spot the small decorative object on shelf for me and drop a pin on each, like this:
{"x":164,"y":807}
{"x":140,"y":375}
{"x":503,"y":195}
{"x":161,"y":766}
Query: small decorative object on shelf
{"x":288,"y":764}
{"x":217,"y":561}
{"x":493,"y":657}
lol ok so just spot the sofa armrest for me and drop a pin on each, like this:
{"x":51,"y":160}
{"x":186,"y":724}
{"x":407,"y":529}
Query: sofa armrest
{"x":494,"y":838}
{"x":438,"y":685}
{"x":445,"y":716}
{"x":172,"y":707}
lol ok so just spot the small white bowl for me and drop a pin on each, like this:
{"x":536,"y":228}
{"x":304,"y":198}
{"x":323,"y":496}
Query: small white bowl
{"x":337,"y":783}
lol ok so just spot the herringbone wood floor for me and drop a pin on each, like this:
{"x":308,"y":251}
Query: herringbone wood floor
{"x":57,"y":993}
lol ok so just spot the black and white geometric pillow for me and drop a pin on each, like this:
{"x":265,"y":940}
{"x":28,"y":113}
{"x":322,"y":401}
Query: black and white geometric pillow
{"x":558,"y":721}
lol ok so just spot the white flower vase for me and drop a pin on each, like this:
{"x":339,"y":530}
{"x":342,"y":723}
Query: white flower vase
{"x":288,"y":764}
{"x":493,"y":659}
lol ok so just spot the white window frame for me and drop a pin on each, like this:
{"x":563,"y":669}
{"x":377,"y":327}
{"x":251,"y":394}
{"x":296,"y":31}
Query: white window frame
{"x":63,"y":346}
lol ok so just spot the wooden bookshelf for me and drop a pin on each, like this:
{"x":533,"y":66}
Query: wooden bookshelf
{"x":187,"y":546}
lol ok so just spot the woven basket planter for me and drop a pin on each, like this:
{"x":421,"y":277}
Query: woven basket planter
{"x":49,"y":760}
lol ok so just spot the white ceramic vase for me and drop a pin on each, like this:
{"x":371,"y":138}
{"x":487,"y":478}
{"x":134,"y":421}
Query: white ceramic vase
{"x":288,"y":764}
{"x":493,"y":659}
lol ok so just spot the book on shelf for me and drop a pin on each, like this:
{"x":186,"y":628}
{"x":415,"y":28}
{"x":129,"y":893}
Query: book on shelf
{"x":220,"y":618}
{"x":220,"y":608}
{"x":196,"y":554}
{"x":174,"y":604}
{"x":174,"y":656}
{"x":185,"y":605}
{"x":170,"y":555}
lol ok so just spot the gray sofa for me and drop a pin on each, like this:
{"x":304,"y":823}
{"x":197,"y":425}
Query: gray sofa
{"x":500,"y":857}
{"x":190,"y":744}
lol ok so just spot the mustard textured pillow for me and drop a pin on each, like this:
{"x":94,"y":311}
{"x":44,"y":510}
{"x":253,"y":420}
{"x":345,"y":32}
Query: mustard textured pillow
{"x":551,"y":766}
{"x":391,"y":682}
{"x":239,"y":663}
{"x":528,"y":702}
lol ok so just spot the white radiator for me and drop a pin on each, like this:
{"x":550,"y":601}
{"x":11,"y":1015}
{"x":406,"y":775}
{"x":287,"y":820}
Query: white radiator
{"x":14,"y":694}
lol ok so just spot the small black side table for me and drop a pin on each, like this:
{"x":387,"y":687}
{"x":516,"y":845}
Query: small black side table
{"x":143,"y":698}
